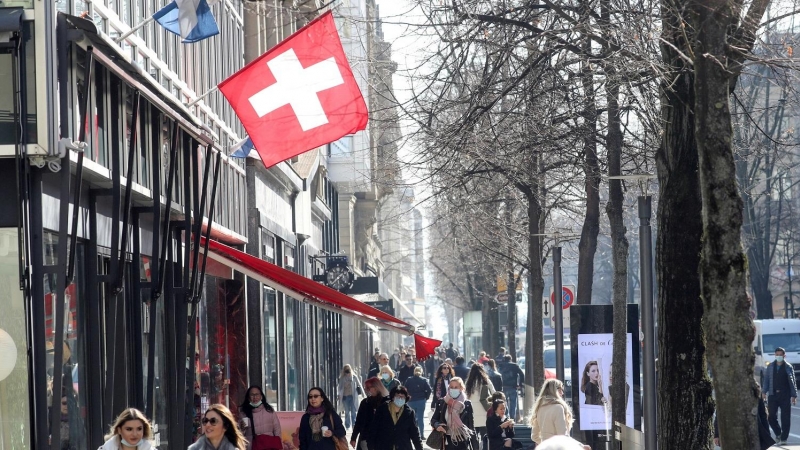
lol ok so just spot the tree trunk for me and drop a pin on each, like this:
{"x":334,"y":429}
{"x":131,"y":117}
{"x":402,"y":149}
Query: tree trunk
{"x":587,"y":247}
{"x":685,"y":406}
{"x":722,"y":269}
{"x":534,"y":346}
{"x":619,"y":248}
{"x":491,"y":326}
{"x":511,"y":291}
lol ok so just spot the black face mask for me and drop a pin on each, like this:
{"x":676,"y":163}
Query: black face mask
{"x":347,"y":372}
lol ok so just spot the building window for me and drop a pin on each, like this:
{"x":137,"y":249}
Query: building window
{"x":8,"y":65}
{"x":342,"y":147}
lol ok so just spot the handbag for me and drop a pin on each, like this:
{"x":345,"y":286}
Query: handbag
{"x":339,"y":442}
{"x":359,"y":391}
{"x":267,"y":442}
{"x":435,"y":440}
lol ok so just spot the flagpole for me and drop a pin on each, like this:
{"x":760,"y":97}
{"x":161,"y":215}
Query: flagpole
{"x":133,"y":30}
{"x":207,"y":93}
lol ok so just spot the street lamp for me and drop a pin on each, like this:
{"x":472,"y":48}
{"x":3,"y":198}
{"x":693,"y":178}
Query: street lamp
{"x":647,"y":311}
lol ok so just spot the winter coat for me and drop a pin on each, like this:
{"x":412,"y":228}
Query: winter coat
{"x":478,"y":398}
{"x":386,"y":434}
{"x":495,"y":432}
{"x":115,"y":444}
{"x":418,"y":388}
{"x":550,"y":420}
{"x":205,"y":444}
{"x":364,"y":419}
{"x":438,"y":418}
{"x":769,"y":376}
{"x":330,"y":420}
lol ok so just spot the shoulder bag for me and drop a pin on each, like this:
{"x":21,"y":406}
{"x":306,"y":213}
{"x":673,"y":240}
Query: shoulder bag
{"x":267,"y":442}
{"x":339,"y":442}
{"x":435,"y":440}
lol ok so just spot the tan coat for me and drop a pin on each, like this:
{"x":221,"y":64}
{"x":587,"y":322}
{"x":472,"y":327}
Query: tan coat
{"x":550,"y":420}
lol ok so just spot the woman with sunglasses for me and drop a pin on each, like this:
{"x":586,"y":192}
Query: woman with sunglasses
{"x":258,"y":418}
{"x":220,"y":431}
{"x":443,"y":375}
{"x":377,"y":396}
{"x":131,"y":431}
{"x":320,"y":425}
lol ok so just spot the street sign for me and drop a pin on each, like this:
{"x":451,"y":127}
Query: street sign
{"x":567,"y":296}
{"x":502,"y":297}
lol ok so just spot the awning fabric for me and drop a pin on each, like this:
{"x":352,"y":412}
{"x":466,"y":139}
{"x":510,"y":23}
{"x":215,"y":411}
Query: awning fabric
{"x":302,"y":288}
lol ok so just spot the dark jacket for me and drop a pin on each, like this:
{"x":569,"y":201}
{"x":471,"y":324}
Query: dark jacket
{"x":405,"y":372}
{"x":495,"y":433}
{"x":418,"y":388}
{"x":769,"y":377}
{"x":385,"y":434}
{"x":462,"y":372}
{"x":466,"y":417}
{"x":305,"y":435}
{"x":364,"y":418}
{"x":496,"y":379}
{"x":512,"y":375}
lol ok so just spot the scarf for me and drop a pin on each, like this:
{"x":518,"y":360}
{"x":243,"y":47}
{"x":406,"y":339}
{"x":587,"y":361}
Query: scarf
{"x":455,"y":427}
{"x":395,"y":411}
{"x":315,"y":422}
{"x":387,"y":384}
{"x":441,"y":386}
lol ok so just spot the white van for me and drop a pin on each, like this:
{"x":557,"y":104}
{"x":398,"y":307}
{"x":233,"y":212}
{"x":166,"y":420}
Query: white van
{"x":773,"y":333}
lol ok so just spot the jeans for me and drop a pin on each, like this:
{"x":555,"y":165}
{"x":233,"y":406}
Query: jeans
{"x":784,"y":402}
{"x":350,"y":410}
{"x":511,"y":401}
{"x":419,"y":410}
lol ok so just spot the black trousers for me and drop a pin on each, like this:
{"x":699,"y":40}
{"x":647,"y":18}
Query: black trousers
{"x":784,"y":403}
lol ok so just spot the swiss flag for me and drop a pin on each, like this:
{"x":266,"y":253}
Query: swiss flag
{"x":299,"y":95}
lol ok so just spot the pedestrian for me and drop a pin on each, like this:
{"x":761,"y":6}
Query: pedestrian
{"x":260,"y":419}
{"x":388,"y":379}
{"x":348,"y":390}
{"x":500,"y":356}
{"x":478,"y":390}
{"x":443,"y":376}
{"x":419,"y":391}
{"x":451,"y":352}
{"x":780,"y":392}
{"x":131,"y":431}
{"x":482,"y":358}
{"x":591,"y":385}
{"x":407,"y":369}
{"x":498,"y":395}
{"x":453,"y":416}
{"x":376,"y":396}
{"x":383,"y":359}
{"x":320,"y":425}
{"x":431,"y":364}
{"x":220,"y":431}
{"x":551,"y":414}
{"x":460,"y":369}
{"x":500,"y":428}
{"x":395,"y":424}
{"x":494,"y":375}
{"x":513,"y":377}
{"x":373,"y":363}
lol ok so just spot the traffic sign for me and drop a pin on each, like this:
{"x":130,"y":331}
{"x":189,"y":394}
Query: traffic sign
{"x":567,"y":296}
{"x":502,"y":297}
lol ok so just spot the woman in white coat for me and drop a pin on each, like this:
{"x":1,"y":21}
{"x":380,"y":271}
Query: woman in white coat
{"x":479,"y":389}
{"x":130,"y":431}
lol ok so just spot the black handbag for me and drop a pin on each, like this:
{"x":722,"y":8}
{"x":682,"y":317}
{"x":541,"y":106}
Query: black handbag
{"x":359,"y":391}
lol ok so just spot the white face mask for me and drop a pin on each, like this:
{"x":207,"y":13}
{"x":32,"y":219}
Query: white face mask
{"x":385,"y":376}
{"x":128,"y":444}
{"x":256,"y":405}
{"x":399,"y":401}
{"x":455,"y":393}
{"x":778,"y":358}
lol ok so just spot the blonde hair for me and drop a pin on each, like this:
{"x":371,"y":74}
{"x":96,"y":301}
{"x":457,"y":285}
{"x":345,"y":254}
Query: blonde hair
{"x":548,"y":395}
{"x":344,"y":368}
{"x":386,"y":368}
{"x":126,"y":416}
{"x":459,"y":381}
{"x":418,"y":370}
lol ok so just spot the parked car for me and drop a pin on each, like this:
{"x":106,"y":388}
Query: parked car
{"x":550,"y":368}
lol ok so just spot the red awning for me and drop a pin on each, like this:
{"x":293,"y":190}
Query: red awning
{"x":303,"y":289}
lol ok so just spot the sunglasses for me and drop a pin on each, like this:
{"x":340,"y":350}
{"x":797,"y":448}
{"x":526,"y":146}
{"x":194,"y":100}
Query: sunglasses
{"x":314,"y":396}
{"x":212,"y":421}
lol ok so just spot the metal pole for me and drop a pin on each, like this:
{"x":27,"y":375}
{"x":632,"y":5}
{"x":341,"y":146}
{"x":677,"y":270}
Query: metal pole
{"x":648,"y":325}
{"x":789,"y":272}
{"x":558,"y":312}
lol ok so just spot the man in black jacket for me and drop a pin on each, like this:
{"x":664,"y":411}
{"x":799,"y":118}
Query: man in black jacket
{"x":407,"y":369}
{"x":460,"y":368}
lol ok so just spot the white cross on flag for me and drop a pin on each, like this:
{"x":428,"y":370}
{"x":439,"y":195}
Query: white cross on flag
{"x":299,"y":95}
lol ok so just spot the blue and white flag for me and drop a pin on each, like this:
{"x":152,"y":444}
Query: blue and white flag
{"x":191,"y":19}
{"x":244,"y":149}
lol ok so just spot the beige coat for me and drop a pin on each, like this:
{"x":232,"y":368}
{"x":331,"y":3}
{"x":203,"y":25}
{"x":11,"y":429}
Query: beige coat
{"x":550,"y":420}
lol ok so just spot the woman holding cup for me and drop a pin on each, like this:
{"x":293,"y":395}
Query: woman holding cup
{"x":258,"y":419}
{"x":320,"y":424}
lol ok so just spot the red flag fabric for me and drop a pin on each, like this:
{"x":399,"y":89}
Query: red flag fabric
{"x":299,"y":95}
{"x":425,"y":347}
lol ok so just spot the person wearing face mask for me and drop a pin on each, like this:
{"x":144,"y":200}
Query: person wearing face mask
{"x":348,"y":390}
{"x":220,"y":431}
{"x":780,"y":391}
{"x":395,"y":424}
{"x":258,"y":418}
{"x":388,"y":379}
{"x":131,"y":431}
{"x":453,"y":416}
{"x":443,"y":376}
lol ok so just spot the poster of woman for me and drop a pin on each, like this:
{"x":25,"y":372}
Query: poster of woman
{"x":594,"y":359}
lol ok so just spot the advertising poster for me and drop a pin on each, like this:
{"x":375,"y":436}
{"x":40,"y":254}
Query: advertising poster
{"x":595,"y":353}
{"x":290,"y":428}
